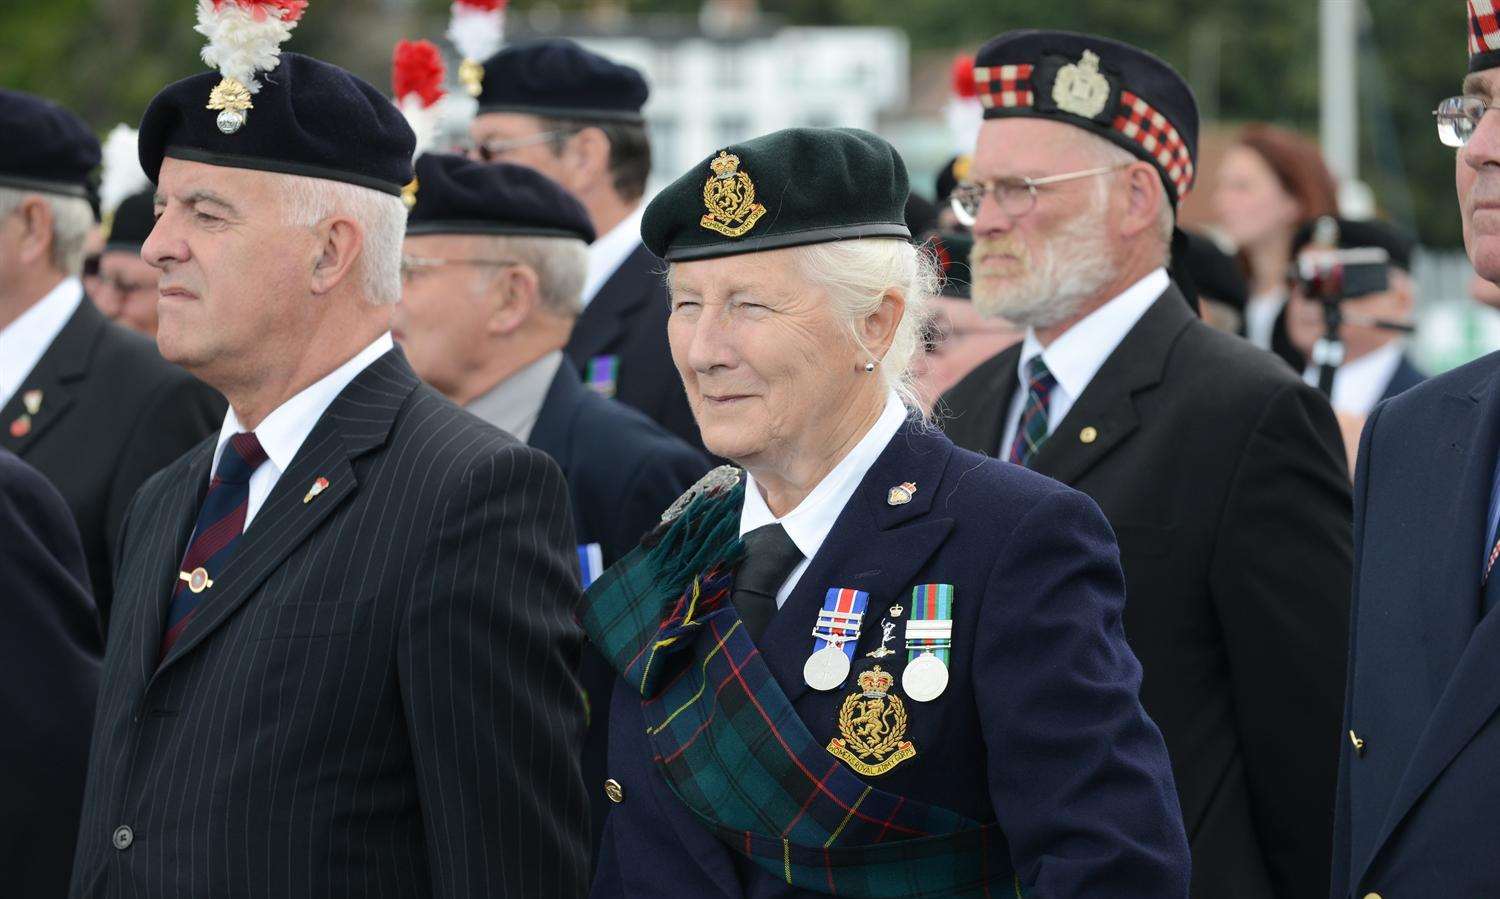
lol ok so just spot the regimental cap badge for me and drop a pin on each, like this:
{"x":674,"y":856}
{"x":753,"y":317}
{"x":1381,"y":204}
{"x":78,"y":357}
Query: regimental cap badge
{"x":409,"y":193}
{"x":477,"y":29}
{"x":1080,"y":88}
{"x":244,"y":39}
{"x":901,"y":494}
{"x":729,"y":196}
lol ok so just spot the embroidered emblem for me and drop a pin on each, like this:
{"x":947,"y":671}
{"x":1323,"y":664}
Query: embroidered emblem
{"x":901,"y":494}
{"x":232,"y":99}
{"x":1080,"y":88}
{"x":729,"y":195}
{"x":872,"y":723}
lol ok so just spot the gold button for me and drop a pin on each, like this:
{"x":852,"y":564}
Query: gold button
{"x":1088,"y":435}
{"x":1372,"y":896}
{"x":614,"y":791}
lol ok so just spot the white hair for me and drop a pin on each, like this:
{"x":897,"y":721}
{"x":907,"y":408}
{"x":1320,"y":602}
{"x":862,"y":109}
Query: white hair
{"x":72,"y":219}
{"x":560,"y":264}
{"x":857,"y":274}
{"x":307,"y":201}
{"x":1107,"y":152}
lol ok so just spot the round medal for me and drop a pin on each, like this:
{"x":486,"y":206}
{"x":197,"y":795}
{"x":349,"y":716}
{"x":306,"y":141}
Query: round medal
{"x":826,"y":668}
{"x":925,"y":678}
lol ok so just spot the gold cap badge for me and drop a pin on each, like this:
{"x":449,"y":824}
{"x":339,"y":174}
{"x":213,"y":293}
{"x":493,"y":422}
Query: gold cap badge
{"x":232,"y":99}
{"x":1080,"y":88}
{"x":409,"y":193}
{"x":729,"y":195}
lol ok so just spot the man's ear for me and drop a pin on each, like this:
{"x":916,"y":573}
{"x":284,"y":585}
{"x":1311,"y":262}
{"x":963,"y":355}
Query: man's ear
{"x":34,"y":216}
{"x":341,"y":240}
{"x":517,"y":293}
{"x":586,"y":155}
{"x":1144,"y":195}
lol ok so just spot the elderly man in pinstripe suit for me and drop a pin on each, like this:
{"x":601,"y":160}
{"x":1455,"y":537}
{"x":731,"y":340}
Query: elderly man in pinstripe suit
{"x":344,"y":641}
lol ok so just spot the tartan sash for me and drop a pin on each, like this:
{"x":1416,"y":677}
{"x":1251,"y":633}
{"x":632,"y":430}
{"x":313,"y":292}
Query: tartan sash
{"x":732,"y":748}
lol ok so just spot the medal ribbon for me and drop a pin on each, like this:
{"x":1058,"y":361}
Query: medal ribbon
{"x":843,"y":609}
{"x":931,"y":624}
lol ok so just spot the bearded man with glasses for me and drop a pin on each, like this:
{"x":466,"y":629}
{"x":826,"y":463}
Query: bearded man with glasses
{"x":1222,"y":474}
{"x":1417,"y":791}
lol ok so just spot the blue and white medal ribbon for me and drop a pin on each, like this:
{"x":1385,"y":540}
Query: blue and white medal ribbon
{"x":834,"y":638}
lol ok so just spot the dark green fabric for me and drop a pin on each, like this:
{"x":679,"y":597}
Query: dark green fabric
{"x":789,"y":188}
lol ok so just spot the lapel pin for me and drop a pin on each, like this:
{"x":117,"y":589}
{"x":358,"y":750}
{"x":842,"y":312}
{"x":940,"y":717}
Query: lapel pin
{"x":1088,"y":435}
{"x":32,"y":400}
{"x":318,"y":486}
{"x":21,"y":426}
{"x":197,"y":580}
{"x":901,"y":494}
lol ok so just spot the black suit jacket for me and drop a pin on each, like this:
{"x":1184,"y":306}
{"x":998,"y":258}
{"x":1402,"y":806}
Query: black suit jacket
{"x":1416,"y":807}
{"x":49,"y":672}
{"x":113,"y":413}
{"x":628,"y":320}
{"x":376,"y":697}
{"x":623,"y":470}
{"x":1224,"y":478}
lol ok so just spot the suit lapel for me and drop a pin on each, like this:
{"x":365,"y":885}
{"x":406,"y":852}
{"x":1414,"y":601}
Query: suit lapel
{"x":1105,"y":414}
{"x":56,"y":376}
{"x":608,"y":314}
{"x":873,"y":546}
{"x":358,"y":421}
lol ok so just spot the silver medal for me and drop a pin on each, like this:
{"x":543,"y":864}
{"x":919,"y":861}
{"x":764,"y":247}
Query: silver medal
{"x":925,"y":678}
{"x":826,"y":669}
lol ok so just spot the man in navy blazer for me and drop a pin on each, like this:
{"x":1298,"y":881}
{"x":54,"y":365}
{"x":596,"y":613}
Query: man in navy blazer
{"x":1419,"y":772}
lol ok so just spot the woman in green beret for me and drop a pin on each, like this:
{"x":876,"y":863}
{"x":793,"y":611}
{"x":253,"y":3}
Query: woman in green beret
{"x":860,"y":661}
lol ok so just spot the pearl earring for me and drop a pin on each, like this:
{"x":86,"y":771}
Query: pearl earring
{"x":869,"y":366}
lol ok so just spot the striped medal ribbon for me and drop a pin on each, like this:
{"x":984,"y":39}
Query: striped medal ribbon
{"x":834,"y":638}
{"x":929,"y":638}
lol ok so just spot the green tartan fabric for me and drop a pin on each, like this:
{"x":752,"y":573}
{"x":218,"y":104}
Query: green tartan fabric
{"x":732,"y":748}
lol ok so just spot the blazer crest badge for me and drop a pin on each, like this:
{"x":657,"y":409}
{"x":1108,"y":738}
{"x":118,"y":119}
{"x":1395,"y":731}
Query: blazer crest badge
{"x":872,"y":725}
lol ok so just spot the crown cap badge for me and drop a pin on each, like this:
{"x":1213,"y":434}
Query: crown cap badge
{"x":725,"y":165}
{"x":876,"y":682}
{"x":1080,"y":88}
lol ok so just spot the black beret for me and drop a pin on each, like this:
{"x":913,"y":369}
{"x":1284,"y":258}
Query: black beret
{"x":792,"y":187}
{"x":559,"y":79}
{"x":310,"y":118}
{"x":920,"y":214}
{"x":46,"y":147}
{"x":1117,"y":91}
{"x":455,"y":195}
{"x":132,"y":222}
{"x":952,"y":249}
{"x":1398,"y":244}
{"x":1213,"y":272}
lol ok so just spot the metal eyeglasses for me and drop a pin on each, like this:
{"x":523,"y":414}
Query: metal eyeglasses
{"x":1458,"y":118}
{"x":495,"y":150}
{"x":1015,"y":196}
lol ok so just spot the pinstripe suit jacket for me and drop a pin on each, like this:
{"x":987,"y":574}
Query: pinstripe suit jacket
{"x":376,"y":697}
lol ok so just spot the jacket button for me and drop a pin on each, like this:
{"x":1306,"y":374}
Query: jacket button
{"x":616,"y":793}
{"x":123,"y":837}
{"x":1372,"y":896}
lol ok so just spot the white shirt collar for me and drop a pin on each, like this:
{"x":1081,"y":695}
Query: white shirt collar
{"x":1079,"y":352}
{"x":514,"y":404}
{"x":808,"y":524}
{"x":608,"y":252}
{"x":282,"y":432}
{"x":1359,"y":385}
{"x":24,"y":341}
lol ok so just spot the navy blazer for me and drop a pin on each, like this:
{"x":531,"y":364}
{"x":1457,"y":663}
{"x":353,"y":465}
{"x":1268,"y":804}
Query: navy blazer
{"x":1041,"y":726}
{"x":1416,"y":803}
{"x":627,"y":319}
{"x":49,"y":673}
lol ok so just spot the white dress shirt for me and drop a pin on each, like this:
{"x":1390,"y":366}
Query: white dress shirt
{"x":23,"y":341}
{"x":1359,"y":385}
{"x":514,"y":404}
{"x":808,"y":524}
{"x":1261,"y":312}
{"x":1079,"y":352}
{"x":282,"y":432}
{"x":609,"y":251}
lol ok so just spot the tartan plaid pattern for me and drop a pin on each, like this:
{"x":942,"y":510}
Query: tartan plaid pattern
{"x":1484,"y":28}
{"x":1004,"y":86}
{"x":1031,"y":432}
{"x":734,"y":751}
{"x":1141,"y":123}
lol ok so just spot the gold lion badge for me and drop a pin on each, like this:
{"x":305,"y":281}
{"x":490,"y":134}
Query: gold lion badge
{"x":729,"y":195}
{"x":1080,"y":88}
{"x":872,"y":723}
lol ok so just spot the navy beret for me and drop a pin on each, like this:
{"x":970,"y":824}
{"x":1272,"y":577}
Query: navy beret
{"x":785,"y":189}
{"x":559,"y":79}
{"x":1117,"y":91}
{"x":132,"y":222}
{"x":455,"y":195}
{"x":46,"y":147}
{"x":310,"y":118}
{"x":1397,"y":243}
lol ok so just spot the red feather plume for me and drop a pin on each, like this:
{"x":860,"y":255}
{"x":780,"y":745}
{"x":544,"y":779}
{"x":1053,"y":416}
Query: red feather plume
{"x":417,"y":68}
{"x":485,"y":5}
{"x":289,"y":10}
{"x":963,"y":77}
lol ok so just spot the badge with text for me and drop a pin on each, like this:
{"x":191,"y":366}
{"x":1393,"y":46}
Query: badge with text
{"x":929,"y":637}
{"x":834,"y":637}
{"x":590,"y":563}
{"x":872,"y":724}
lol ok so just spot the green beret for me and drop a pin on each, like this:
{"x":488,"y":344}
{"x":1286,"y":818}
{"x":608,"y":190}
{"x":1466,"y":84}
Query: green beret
{"x":785,"y":189}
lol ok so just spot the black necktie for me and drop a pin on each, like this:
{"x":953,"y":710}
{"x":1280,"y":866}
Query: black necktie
{"x":770,"y":555}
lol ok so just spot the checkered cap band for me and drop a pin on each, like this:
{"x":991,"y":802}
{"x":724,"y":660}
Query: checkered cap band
{"x":1004,"y":87}
{"x":1484,"y":29}
{"x":1149,"y":128}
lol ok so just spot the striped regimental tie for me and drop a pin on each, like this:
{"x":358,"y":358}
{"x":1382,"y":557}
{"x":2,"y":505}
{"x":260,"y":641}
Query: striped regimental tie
{"x":1031,"y":433}
{"x":221,"y":520}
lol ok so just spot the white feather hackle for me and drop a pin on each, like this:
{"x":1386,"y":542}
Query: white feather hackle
{"x":122,"y":175}
{"x":964,"y":116}
{"x":476,"y":33}
{"x":422,"y":119}
{"x":240,"y":44}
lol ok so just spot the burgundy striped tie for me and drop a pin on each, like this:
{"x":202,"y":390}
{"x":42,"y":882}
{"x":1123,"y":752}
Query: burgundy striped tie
{"x":221,"y":520}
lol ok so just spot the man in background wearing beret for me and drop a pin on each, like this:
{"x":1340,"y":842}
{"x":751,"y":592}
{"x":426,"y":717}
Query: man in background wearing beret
{"x":344,"y":652}
{"x":1419,"y":770}
{"x":576,"y":117}
{"x":493,"y":269}
{"x":127,"y":283}
{"x":1221,"y":472}
{"x":90,"y":405}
